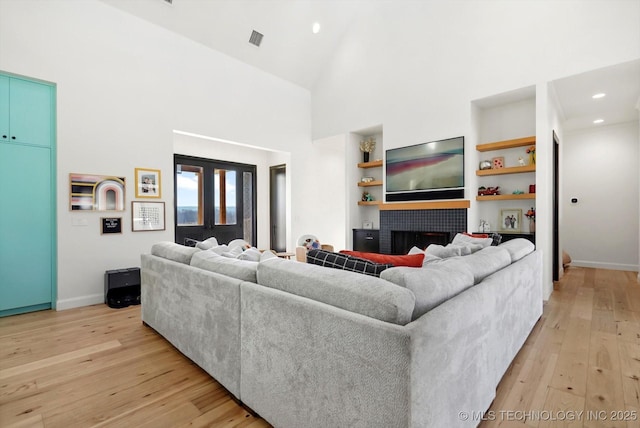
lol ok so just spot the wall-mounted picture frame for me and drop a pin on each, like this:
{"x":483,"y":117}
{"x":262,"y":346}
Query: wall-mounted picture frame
{"x":110,"y":225}
{"x":93,"y":192}
{"x":510,"y":220}
{"x":147,"y":216}
{"x":148,"y":183}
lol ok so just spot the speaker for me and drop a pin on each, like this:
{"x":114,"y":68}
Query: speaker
{"x":122,"y":287}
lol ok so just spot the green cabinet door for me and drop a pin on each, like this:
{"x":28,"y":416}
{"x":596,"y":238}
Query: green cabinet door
{"x":30,"y":107}
{"x":26,"y":229}
{"x":4,"y":108}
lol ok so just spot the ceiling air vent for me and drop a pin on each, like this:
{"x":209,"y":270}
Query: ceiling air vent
{"x":256,"y":38}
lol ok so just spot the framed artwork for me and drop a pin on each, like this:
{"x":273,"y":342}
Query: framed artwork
{"x":147,"y":216}
{"x":111,"y":225}
{"x":92,"y":192}
{"x":510,"y":220}
{"x":148,"y":183}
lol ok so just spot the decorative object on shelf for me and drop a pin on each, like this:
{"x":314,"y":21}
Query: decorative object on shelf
{"x":531,"y":215}
{"x":366,"y":196}
{"x":532,"y":188}
{"x":367,"y":224}
{"x":518,"y":192}
{"x":532,"y":155}
{"x":367,"y":146}
{"x":498,"y":162}
{"x":147,"y":183}
{"x":485,"y":164}
{"x":147,"y":216}
{"x":485,"y":226}
{"x":510,"y":220}
{"x":520,"y":161}
{"x":367,"y":179}
{"x":485,"y":191}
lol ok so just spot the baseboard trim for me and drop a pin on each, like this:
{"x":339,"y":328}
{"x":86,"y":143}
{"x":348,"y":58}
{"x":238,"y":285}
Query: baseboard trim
{"x":603,"y":265}
{"x":78,"y":302}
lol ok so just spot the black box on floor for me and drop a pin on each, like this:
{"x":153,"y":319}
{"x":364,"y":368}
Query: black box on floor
{"x":122,"y":287}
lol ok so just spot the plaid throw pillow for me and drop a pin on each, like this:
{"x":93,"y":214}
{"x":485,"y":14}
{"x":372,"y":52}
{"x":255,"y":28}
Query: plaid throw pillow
{"x":345,"y":262}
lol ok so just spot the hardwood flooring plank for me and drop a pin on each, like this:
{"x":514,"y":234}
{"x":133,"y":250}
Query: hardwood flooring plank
{"x":57,"y":359}
{"x":630,"y":372}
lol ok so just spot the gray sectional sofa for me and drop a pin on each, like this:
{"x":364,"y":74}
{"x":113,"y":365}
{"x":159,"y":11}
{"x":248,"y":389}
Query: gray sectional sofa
{"x":310,"y":346}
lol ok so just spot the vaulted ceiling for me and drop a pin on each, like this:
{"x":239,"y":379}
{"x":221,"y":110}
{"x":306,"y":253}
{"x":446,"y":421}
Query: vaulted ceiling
{"x":291,"y":51}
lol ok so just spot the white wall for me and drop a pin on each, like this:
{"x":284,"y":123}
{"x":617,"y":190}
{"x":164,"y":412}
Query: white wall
{"x":426,"y":61}
{"x":123,"y":86}
{"x":600,"y":168}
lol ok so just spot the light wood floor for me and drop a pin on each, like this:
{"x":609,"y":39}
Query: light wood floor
{"x":97,"y":366}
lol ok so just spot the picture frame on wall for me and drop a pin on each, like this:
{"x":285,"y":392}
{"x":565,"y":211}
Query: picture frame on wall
{"x":510,"y":220}
{"x":148,"y":183}
{"x":94,"y":192}
{"x":147,"y":216}
{"x":110,"y":225}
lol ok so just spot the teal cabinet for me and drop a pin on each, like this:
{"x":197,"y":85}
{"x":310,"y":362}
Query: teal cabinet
{"x":27,"y":191}
{"x":27,"y":107}
{"x":25,"y":226}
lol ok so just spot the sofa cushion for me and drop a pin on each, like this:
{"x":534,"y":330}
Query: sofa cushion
{"x":410,"y":260}
{"x":518,"y":248}
{"x":211,"y":261}
{"x":362,"y":294}
{"x":432,"y":285}
{"x":345,"y":262}
{"x":486,"y":261}
{"x":172,"y":251}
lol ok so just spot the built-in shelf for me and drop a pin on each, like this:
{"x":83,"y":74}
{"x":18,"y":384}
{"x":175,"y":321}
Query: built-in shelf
{"x":372,"y":164}
{"x":507,"y":197}
{"x":507,"y":144}
{"x":372,"y":203}
{"x":370,"y":183}
{"x":507,"y":170}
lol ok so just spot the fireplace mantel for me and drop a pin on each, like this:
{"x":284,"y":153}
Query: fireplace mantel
{"x":431,"y":205}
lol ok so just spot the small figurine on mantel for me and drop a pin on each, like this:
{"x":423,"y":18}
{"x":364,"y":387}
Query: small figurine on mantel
{"x":484,"y":226}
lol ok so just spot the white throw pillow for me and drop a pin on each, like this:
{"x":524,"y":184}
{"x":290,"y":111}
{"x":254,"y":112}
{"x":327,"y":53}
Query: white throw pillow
{"x":207,"y":244}
{"x":251,"y":254}
{"x":462,"y":239}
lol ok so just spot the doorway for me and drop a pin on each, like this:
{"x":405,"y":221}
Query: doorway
{"x":214,"y":199}
{"x":556,"y":207}
{"x":278,"y":207}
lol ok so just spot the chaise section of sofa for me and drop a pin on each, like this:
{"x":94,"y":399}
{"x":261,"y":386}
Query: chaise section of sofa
{"x":197,"y":310}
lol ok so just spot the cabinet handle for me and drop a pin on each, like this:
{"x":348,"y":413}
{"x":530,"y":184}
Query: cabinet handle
{"x":4,"y":136}
{"x":13,"y":137}
{"x":369,"y":238}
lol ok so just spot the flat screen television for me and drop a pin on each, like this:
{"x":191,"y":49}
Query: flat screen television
{"x":426,"y":171}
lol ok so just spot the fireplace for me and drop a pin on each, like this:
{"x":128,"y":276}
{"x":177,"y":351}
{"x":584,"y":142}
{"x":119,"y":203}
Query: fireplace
{"x":446,"y":221}
{"x":403,"y":240}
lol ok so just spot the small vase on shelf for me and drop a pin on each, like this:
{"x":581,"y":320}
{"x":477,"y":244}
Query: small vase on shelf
{"x":532,"y":225}
{"x":366,"y":156}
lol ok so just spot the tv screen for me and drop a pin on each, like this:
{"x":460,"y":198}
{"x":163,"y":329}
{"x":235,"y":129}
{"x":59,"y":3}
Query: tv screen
{"x":433,"y":170}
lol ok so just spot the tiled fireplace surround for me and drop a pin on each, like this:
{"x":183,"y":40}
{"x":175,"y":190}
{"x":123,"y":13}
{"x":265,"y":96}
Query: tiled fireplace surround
{"x":451,"y":220}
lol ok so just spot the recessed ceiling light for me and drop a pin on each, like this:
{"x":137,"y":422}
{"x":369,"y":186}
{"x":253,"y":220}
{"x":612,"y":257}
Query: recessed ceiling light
{"x":315,"y":28}
{"x":598,"y":121}
{"x":600,"y":95}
